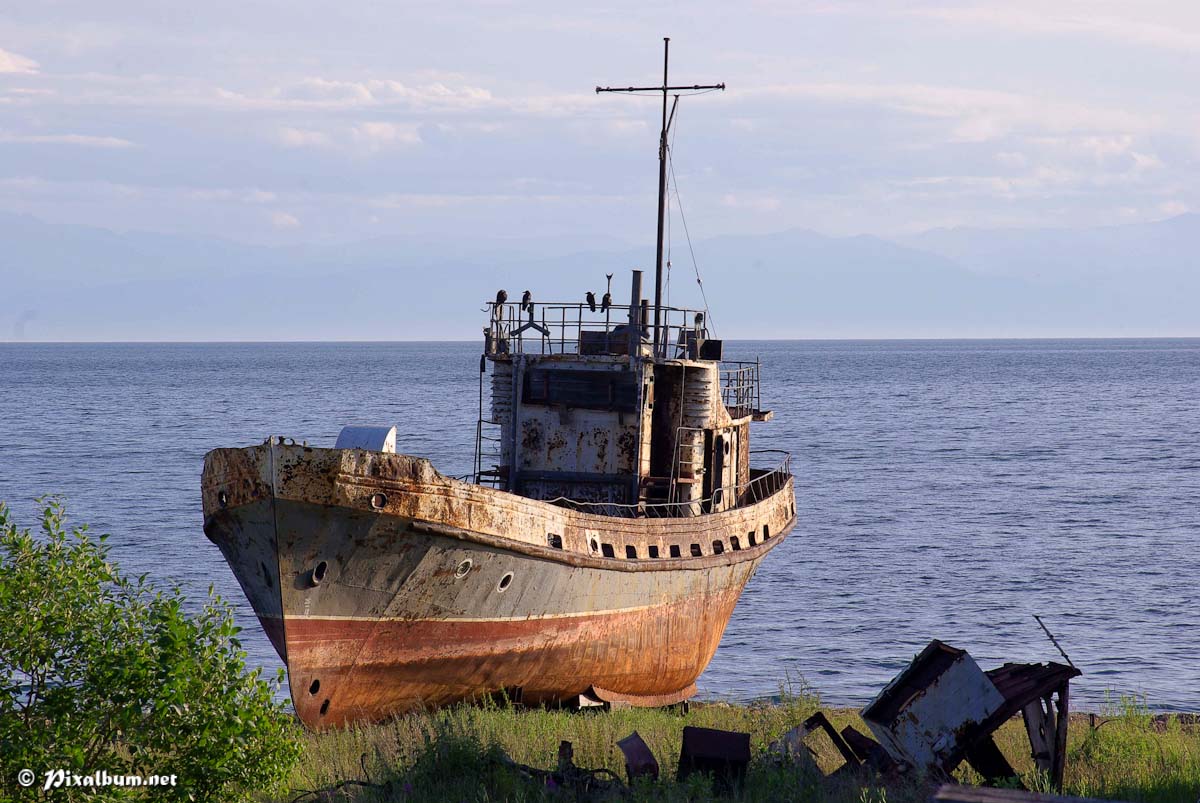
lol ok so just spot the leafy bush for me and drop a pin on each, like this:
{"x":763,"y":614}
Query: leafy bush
{"x":102,"y":673}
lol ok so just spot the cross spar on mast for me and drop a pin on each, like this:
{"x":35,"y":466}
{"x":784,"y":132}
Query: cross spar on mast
{"x":662,"y":178}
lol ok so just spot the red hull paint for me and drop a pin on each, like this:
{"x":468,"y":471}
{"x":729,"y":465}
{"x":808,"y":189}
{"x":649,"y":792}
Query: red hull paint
{"x":400,"y":665}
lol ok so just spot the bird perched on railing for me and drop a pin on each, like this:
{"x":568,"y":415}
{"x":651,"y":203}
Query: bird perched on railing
{"x":606,"y":302}
{"x":501,"y":297}
{"x":591,"y":300}
{"x":526,"y":301}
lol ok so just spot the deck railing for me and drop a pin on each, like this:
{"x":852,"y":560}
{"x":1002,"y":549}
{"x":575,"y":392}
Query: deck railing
{"x":575,"y":328}
{"x":762,"y":484}
{"x":740,"y":388}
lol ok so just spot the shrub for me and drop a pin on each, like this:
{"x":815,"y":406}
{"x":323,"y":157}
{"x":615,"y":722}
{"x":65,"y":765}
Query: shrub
{"x":102,"y":673}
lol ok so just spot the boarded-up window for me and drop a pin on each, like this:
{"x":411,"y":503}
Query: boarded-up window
{"x":590,"y":390}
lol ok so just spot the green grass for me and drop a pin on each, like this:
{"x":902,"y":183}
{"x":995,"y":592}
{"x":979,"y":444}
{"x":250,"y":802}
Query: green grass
{"x":458,"y":754}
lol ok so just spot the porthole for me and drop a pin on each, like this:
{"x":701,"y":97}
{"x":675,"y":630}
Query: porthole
{"x":325,"y":707}
{"x":314,"y":687}
{"x":595,"y":545}
{"x":463,"y":569}
{"x":319,"y":571}
{"x":505,"y":582}
{"x":554,"y":540}
{"x":378,"y":501}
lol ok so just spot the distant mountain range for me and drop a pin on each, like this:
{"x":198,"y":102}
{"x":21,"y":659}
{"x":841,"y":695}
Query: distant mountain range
{"x":67,"y":282}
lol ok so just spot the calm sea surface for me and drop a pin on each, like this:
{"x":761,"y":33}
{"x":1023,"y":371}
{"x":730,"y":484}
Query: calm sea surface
{"x":944,"y":489}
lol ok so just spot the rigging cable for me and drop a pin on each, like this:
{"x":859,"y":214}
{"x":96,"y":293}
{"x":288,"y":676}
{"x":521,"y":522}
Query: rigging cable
{"x":708,"y":321}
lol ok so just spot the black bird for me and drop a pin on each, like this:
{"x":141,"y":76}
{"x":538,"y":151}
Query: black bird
{"x":527,"y":301}
{"x":606,"y":302}
{"x":591,"y":300}
{"x":501,"y":297}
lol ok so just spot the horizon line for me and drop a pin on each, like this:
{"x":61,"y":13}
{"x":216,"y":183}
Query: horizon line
{"x":951,"y":339}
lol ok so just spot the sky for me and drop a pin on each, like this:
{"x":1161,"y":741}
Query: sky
{"x":310,"y":122}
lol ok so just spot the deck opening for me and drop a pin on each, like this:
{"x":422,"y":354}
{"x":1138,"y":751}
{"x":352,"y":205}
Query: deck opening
{"x":718,"y":547}
{"x":314,"y":687}
{"x":696,"y":551}
{"x":463,"y":569}
{"x":674,"y":550}
{"x":607,"y":550}
{"x":555,"y":541}
{"x":653,"y":551}
{"x":631,"y":551}
{"x":734,"y":543}
{"x":505,"y":582}
{"x":318,"y":572}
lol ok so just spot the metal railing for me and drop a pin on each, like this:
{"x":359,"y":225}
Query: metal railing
{"x":768,"y":482}
{"x":575,"y":328}
{"x":740,"y":389}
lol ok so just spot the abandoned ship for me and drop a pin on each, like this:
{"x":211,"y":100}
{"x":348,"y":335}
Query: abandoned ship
{"x":594,"y":556}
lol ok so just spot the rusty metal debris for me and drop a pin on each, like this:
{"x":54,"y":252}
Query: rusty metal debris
{"x":639,"y":761}
{"x":724,"y":754}
{"x":943,"y":709}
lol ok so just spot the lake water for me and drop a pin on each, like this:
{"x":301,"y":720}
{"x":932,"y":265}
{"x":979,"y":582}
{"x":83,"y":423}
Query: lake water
{"x":945,"y":489}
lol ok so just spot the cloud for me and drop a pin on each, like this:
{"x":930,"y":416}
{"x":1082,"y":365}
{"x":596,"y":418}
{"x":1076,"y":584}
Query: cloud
{"x":756,"y":203}
{"x":974,"y":115}
{"x":13,"y":63}
{"x":327,"y":93}
{"x":248,"y":196}
{"x":1048,"y":20}
{"x":374,"y":136}
{"x":282,"y":220}
{"x":300,"y":138}
{"x":85,"y":140}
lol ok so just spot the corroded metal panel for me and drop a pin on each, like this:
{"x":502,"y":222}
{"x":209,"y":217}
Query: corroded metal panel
{"x":922,"y":716}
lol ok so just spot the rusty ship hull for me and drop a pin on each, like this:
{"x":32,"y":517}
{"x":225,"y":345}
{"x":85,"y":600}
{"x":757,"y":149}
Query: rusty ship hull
{"x":385,"y":586}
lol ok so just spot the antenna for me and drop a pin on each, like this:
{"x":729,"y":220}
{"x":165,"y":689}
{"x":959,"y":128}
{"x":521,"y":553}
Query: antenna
{"x":662,"y":174}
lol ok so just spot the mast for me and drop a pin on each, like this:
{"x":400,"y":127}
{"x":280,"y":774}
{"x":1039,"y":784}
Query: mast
{"x":662,"y":202}
{"x":662,"y":177}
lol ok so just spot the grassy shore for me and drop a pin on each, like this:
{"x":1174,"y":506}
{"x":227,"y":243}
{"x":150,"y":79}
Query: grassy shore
{"x":459,"y":754}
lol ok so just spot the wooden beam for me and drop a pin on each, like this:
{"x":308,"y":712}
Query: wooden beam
{"x":1059,"y":756}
